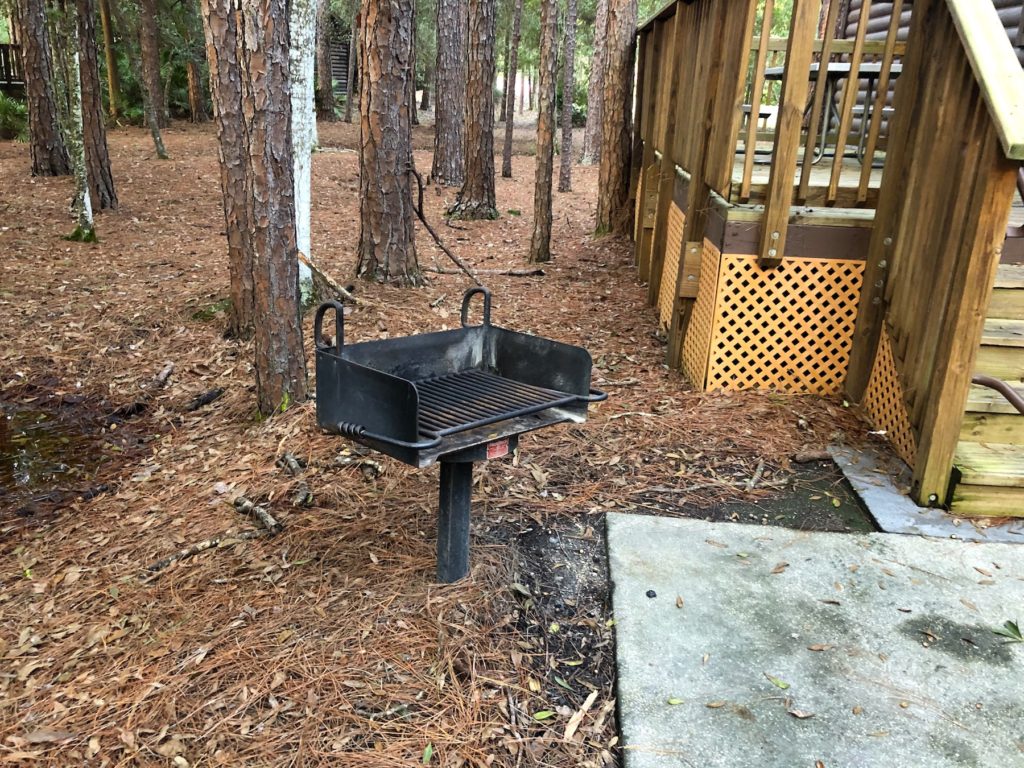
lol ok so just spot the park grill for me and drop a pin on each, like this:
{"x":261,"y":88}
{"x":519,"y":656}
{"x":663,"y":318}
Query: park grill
{"x":454,"y":396}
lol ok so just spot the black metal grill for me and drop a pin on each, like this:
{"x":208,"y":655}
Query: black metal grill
{"x":461,"y":401}
{"x":455,"y":397}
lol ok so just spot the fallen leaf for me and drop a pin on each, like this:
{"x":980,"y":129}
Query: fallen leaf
{"x":577,"y":718}
{"x":819,"y":647}
{"x":718,"y":544}
{"x":969,"y":604}
{"x":673,"y":701}
{"x":47,"y":735}
{"x":800,"y":714}
{"x":857,"y":709}
{"x":544,"y":714}
{"x":777,"y":682}
{"x":715,"y":704}
{"x":780,"y":567}
{"x":428,"y":754}
{"x":679,"y":601}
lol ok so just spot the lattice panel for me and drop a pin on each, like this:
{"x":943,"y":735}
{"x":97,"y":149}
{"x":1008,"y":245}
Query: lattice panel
{"x":884,"y":403}
{"x":697,"y":344}
{"x":788,"y":328}
{"x":673,"y":247}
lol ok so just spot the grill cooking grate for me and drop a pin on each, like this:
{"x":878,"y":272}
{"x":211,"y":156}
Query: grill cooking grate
{"x":461,"y":401}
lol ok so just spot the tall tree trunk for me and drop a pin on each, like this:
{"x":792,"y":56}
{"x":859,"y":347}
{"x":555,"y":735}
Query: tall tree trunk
{"x":113,"y":77}
{"x":510,"y":90}
{"x":251,"y":82}
{"x":476,"y":198}
{"x":531,"y":83}
{"x":568,"y":97}
{"x":540,"y":243}
{"x":412,"y":74}
{"x":324,"y":76}
{"x":522,"y":93}
{"x":196,"y":106}
{"x":428,"y":80}
{"x":503,"y":105}
{"x":449,"y":164}
{"x":387,"y":245}
{"x":595,"y":89}
{"x":613,"y":213}
{"x":220,"y":24}
{"x":97,"y":158}
{"x":301,"y":55}
{"x":49,"y":155}
{"x":67,"y":61}
{"x":353,"y":53}
{"x":149,"y":43}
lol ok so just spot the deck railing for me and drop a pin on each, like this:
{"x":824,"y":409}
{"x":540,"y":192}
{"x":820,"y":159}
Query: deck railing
{"x":10,"y":65}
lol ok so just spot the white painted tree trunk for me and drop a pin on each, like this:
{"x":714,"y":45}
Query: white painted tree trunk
{"x":302,"y":25}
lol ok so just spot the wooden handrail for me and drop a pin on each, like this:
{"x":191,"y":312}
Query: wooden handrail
{"x":995,"y":67}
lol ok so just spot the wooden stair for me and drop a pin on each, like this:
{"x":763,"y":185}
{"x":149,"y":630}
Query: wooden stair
{"x":990,"y":454}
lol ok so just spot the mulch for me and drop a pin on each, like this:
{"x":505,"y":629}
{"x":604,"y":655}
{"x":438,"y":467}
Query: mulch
{"x":329,"y":643}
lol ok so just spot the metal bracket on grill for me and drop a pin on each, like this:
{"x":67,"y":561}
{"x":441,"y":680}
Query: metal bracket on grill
{"x":339,"y":325}
{"x":487,"y":305}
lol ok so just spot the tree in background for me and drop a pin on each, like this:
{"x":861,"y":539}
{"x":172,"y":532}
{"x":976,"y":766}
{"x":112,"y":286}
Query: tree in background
{"x":595,"y":89}
{"x":387,"y":246}
{"x":450,"y":94}
{"x":510,"y":89}
{"x":476,"y":198}
{"x":301,"y":58}
{"x":540,"y":243}
{"x":49,"y":155}
{"x":250,"y":64}
{"x":324,"y":77}
{"x":149,"y":44}
{"x":113,"y":76}
{"x":613,"y":213}
{"x":568,"y":96}
{"x":97,"y":157}
{"x":353,"y":56}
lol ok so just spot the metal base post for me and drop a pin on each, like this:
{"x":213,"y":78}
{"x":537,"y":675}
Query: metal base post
{"x":453,"y":521}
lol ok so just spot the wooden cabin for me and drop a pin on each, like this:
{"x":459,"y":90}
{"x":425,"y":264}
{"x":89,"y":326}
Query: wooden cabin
{"x":12,"y":82}
{"x":830,"y":212}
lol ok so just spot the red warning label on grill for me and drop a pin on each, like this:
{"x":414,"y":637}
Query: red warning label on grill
{"x":497,"y":449}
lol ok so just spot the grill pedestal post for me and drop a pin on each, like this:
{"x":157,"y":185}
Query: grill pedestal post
{"x":453,"y":520}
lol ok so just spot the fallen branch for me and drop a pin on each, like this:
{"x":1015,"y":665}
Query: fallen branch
{"x":809,"y":457}
{"x":324,"y":285}
{"x":422,"y":217}
{"x":246,"y":507}
{"x":536,"y":272}
{"x":195,"y":549}
{"x":291,"y":464}
{"x":303,"y":496}
{"x":165,"y":373}
{"x":205,"y":399}
{"x":757,"y":475}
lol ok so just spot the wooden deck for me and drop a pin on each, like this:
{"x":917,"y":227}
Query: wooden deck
{"x":820,"y":176}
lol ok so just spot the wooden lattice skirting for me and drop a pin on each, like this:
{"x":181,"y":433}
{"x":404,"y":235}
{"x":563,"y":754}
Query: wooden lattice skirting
{"x":884,"y":404}
{"x":670,"y":271}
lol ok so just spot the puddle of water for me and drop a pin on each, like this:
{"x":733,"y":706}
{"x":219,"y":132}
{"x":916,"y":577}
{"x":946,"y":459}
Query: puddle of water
{"x":41,"y":451}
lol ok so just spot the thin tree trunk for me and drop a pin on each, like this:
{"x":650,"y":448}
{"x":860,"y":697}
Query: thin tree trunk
{"x":149,"y":43}
{"x":595,"y":89}
{"x":568,"y":97}
{"x":533,"y":92}
{"x":510,"y":90}
{"x":613,"y":214}
{"x":301,"y":55}
{"x":522,"y":93}
{"x":412,"y":74}
{"x":387,"y":245}
{"x":353,"y":52}
{"x":97,"y":158}
{"x":540,"y":243}
{"x":503,"y":106}
{"x":222,"y":48}
{"x":324,"y":76}
{"x":113,"y":77}
{"x":196,"y":107}
{"x":46,"y":146}
{"x":449,"y":164}
{"x":428,"y":79}
{"x":476,"y":198}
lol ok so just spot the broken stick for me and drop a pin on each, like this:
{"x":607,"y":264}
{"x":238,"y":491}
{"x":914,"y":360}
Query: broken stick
{"x":155,"y":568}
{"x":246,"y":507}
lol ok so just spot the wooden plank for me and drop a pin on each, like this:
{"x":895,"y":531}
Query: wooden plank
{"x":878,"y":110}
{"x":1004,"y":333}
{"x":849,"y":99}
{"x":1006,"y":363}
{"x":987,"y":501}
{"x":815,"y":196}
{"x":1010,"y":275}
{"x":1006,"y":304}
{"x":986,"y":400}
{"x":788,"y":125}
{"x":820,"y":89}
{"x":756,"y":90}
{"x":996,"y":69}
{"x":689,"y":274}
{"x":871,"y":47}
{"x":997,"y":464}
{"x":993,"y":428}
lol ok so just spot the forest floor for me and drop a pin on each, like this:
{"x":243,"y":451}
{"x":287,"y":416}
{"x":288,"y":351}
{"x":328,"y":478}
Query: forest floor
{"x":329,"y":643}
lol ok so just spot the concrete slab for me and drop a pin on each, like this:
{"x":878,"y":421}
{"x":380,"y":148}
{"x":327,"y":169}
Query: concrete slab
{"x":883,"y":483}
{"x":804,"y":649}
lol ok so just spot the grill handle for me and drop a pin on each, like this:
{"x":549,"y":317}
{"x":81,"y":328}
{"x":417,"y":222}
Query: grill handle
{"x":595,"y":396}
{"x":357,"y":430}
{"x":487,"y":304}
{"x":339,"y":325}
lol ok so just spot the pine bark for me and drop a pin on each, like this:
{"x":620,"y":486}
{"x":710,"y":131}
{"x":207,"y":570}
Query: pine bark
{"x":196,"y":105}
{"x":540,"y":242}
{"x":450,"y":94}
{"x":510,"y":89}
{"x":428,"y":79}
{"x":568,"y":97}
{"x":503,"y":104}
{"x":46,"y":146}
{"x":97,"y":156}
{"x":387,"y":246}
{"x":113,"y":76}
{"x":595,"y":89}
{"x":324,"y":78}
{"x":476,"y":199}
{"x":613,"y":212}
{"x":220,"y":25}
{"x":353,"y":55}
{"x":149,"y":43}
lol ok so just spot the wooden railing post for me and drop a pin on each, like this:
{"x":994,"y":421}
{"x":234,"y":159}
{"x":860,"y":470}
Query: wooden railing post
{"x":651,"y":53}
{"x":795,"y":85}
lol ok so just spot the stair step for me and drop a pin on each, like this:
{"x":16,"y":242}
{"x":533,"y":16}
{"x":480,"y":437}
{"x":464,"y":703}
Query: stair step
{"x":1006,"y":363}
{"x":992,"y":464}
{"x":1010,"y":276}
{"x":1003,"y":333}
{"x":985,"y":400}
{"x":1006,"y":304}
{"x":987,"y":501}
{"x":993,"y":428}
